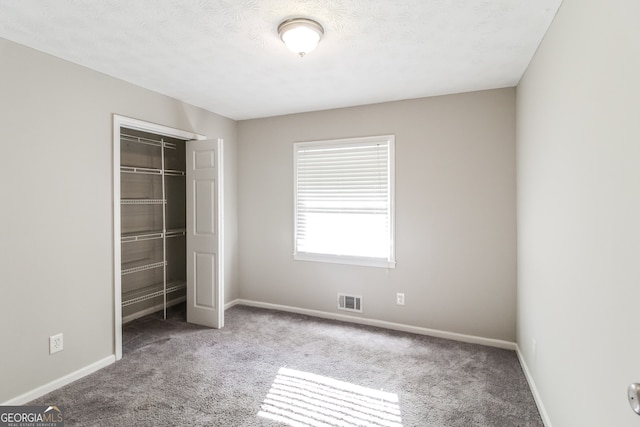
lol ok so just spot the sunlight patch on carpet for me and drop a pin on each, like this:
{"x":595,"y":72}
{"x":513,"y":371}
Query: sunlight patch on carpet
{"x":302,"y":399}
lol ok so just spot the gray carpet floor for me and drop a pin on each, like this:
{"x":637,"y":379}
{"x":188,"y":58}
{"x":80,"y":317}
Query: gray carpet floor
{"x":269,"y":368}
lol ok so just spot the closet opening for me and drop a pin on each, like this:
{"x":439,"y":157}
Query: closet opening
{"x":155,"y":222}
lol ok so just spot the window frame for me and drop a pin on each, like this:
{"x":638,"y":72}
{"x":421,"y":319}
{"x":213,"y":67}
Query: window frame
{"x":389,"y":262}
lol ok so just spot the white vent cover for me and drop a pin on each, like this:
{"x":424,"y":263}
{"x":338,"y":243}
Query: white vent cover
{"x":350,"y":302}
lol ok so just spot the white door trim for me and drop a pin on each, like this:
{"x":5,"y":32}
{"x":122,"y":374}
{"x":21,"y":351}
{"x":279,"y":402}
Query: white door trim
{"x":118,"y":122}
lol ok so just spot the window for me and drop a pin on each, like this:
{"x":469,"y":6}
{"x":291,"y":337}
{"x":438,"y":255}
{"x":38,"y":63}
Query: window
{"x":344,"y":201}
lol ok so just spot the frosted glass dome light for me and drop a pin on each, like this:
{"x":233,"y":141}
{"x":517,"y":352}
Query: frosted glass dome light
{"x":301,"y":35}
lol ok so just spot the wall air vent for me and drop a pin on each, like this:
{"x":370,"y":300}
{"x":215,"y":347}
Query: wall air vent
{"x":350,"y":302}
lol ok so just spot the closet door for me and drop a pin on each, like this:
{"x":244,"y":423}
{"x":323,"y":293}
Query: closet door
{"x":205,"y":301}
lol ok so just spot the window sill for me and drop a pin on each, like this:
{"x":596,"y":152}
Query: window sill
{"x":341,"y":259}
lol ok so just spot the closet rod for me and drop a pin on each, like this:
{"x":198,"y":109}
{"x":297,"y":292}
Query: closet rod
{"x":147,"y":141}
{"x":140,"y":140}
{"x":140,"y":170}
{"x":142,"y":201}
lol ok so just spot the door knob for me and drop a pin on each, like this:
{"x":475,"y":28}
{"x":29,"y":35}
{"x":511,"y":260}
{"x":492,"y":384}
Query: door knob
{"x":633,"y":393}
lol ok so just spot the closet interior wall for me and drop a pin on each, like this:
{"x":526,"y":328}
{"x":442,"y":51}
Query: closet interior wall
{"x":153,"y":222}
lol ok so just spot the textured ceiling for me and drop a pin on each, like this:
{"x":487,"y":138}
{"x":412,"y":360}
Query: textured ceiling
{"x":225,"y":55}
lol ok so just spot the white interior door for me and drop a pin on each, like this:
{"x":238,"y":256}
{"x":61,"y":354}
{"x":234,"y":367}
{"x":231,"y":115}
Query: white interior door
{"x":205,"y":284}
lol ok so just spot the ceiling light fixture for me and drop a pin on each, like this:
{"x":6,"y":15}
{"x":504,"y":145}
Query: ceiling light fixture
{"x":301,"y":35}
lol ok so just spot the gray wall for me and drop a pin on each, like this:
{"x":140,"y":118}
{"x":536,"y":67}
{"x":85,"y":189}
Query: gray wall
{"x":455,"y":214}
{"x":56,"y":188}
{"x":578,"y":133}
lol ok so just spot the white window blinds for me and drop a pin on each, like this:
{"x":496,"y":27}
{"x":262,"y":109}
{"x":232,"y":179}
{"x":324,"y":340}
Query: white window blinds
{"x":344,"y":201}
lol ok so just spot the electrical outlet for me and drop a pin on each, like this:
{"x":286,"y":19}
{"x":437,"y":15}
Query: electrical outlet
{"x":55,"y":343}
{"x":400,"y":299}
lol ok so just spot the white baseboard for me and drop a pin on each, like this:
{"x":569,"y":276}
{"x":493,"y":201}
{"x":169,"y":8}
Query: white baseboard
{"x":379,"y":323}
{"x":534,"y":390}
{"x":230,"y":304}
{"x":55,"y":384}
